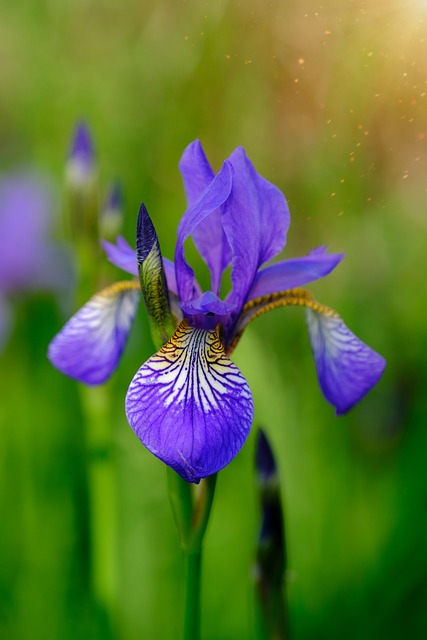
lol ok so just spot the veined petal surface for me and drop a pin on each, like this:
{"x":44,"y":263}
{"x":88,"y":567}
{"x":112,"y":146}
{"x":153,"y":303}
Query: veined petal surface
{"x":89,"y":346}
{"x":346,"y":367}
{"x":190,"y":405}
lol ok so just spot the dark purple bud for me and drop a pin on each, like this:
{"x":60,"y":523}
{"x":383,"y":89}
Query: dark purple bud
{"x":264,"y":459}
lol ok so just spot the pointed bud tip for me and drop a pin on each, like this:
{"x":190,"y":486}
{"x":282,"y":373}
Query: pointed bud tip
{"x":82,"y":144}
{"x":264,"y":458}
{"x":114,"y":201}
{"x":80,"y":167}
{"x":146,"y":234}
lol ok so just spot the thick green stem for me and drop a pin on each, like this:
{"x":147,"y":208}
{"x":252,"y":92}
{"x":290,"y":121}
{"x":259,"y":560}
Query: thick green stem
{"x":193,"y":561}
{"x":191,"y":505}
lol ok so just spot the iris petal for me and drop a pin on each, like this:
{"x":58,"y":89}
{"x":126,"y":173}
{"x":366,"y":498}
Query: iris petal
{"x":89,"y":346}
{"x":255,"y":220}
{"x":296,"y":272}
{"x":213,"y":197}
{"x":346,"y":367}
{"x":121,"y":255}
{"x":190,"y":405}
{"x":196,"y":172}
{"x":208,"y":236}
{"x":208,"y":302}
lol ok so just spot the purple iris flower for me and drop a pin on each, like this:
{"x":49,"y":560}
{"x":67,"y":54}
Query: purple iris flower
{"x":29,"y":260}
{"x":189,"y":404}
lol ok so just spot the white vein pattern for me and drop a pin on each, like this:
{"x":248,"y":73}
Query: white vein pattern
{"x":89,"y":346}
{"x":346,"y":367}
{"x":190,"y":405}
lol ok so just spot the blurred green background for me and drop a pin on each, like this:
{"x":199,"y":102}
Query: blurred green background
{"x":329,"y":100}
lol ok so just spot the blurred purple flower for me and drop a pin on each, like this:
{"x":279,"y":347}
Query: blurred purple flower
{"x":189,"y":404}
{"x":29,"y":261}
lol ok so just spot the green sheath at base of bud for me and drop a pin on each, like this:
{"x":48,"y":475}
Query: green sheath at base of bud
{"x":152,"y":278}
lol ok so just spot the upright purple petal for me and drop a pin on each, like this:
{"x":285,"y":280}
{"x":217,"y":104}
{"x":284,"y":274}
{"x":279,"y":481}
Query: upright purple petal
{"x":255,"y":220}
{"x":346,"y":367}
{"x":208,"y":236}
{"x":196,"y":172}
{"x":90,"y":345}
{"x":213,"y":197}
{"x":190,"y":405}
{"x":295,"y":272}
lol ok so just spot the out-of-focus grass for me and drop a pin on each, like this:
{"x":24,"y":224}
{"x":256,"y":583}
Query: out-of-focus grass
{"x":330,"y":102}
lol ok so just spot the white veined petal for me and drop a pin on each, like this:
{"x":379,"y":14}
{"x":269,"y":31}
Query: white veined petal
{"x":89,"y":346}
{"x":190,"y":405}
{"x":346,"y":367}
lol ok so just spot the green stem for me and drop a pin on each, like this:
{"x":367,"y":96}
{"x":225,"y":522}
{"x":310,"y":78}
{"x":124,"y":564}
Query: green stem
{"x":102,"y":487}
{"x":193,"y":561}
{"x":191,"y":505}
{"x":271,"y":614}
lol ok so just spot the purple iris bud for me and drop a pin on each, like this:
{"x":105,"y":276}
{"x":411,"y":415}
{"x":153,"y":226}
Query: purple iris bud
{"x":271,"y":537}
{"x":271,"y":554}
{"x":265,"y":463}
{"x":81,"y":159}
{"x":146,"y":236}
{"x":189,"y":404}
{"x":152,"y":277}
{"x":29,"y":260}
{"x":112,"y":212}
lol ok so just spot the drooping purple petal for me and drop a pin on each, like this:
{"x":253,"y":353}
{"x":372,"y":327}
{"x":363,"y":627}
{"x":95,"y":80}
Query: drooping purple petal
{"x":208,"y":235}
{"x":190,"y":405}
{"x":123,"y":256}
{"x":346,"y":367}
{"x":295,"y":272}
{"x":213,"y":197}
{"x":89,"y":346}
{"x":255,"y":220}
